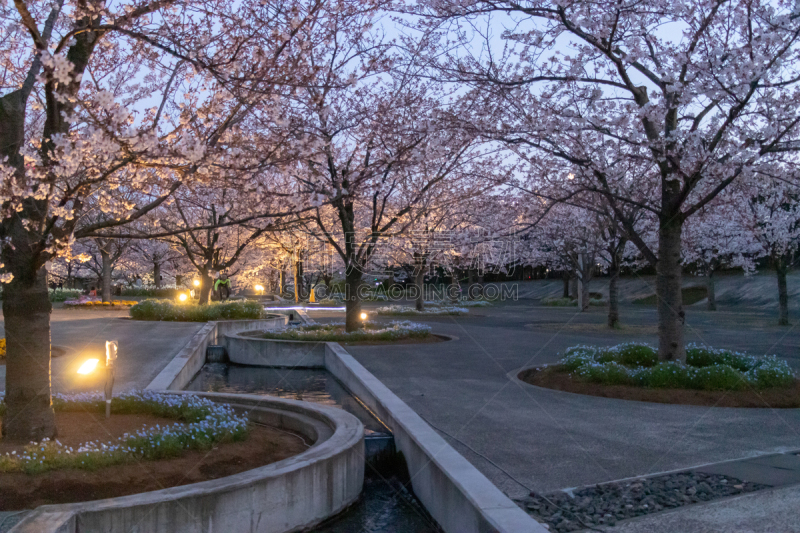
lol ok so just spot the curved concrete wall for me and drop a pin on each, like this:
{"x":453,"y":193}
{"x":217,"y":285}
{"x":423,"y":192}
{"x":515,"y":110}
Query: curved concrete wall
{"x":248,"y":350}
{"x":192,"y":357}
{"x":290,"y":495}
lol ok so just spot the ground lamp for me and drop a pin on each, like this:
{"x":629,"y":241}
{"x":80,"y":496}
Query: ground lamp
{"x":90,"y":365}
{"x":363,"y":317}
{"x":182,"y":297}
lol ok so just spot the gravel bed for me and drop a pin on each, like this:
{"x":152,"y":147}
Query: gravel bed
{"x":604,"y":505}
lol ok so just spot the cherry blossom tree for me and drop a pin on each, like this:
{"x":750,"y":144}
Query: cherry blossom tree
{"x":771,"y":217}
{"x":77,"y":128}
{"x":694,"y":95}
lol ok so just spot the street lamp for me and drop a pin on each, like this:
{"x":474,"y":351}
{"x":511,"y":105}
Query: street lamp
{"x":260,"y":288}
{"x":196,"y":283}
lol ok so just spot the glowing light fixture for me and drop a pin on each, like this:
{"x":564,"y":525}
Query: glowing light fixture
{"x":260,"y":288}
{"x":196,"y":283}
{"x":88,"y":366}
{"x":182,"y":297}
{"x":363,"y":316}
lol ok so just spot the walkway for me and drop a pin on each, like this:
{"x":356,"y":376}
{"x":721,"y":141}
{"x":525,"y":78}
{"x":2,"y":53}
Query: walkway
{"x":548,"y":440}
{"x":145,"y":348}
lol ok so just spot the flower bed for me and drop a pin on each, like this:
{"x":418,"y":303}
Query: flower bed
{"x":709,"y":376}
{"x":166,"y":310}
{"x":335,"y":332}
{"x":705,"y":369}
{"x":405,"y":310}
{"x":60,"y":295}
{"x":569,"y":302}
{"x":200,"y":425}
{"x":96,"y":304}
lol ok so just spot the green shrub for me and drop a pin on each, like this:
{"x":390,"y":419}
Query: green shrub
{"x":636,"y":355}
{"x":166,"y":310}
{"x":771,"y":372}
{"x":62,"y":295}
{"x":611,"y":373}
{"x":667,"y":375}
{"x":151,"y":292}
{"x":334,"y":332}
{"x":576,"y":359}
{"x":558,"y":302}
{"x":718,"y":377}
{"x":702,"y":356}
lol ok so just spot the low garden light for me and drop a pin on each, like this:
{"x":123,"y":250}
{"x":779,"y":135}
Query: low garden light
{"x":111,"y":358}
{"x":88,"y":366}
{"x":364,"y":316}
{"x":182,"y":297}
{"x":91,"y":365}
{"x":196,"y":283}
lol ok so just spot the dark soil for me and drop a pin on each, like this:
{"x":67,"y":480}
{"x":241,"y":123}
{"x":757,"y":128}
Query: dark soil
{"x":604,"y":505}
{"x":554,"y":378}
{"x":264,"y":445}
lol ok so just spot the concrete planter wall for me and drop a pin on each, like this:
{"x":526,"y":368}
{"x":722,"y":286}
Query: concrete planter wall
{"x":251,"y":350}
{"x":290,"y":495}
{"x":183,"y":367}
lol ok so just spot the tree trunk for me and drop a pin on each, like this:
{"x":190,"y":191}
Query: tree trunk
{"x":157,"y":274}
{"x":419,"y":284}
{"x":783,"y":294}
{"x":281,"y":283}
{"x":573,"y":288}
{"x":106,"y":276}
{"x":297,"y":278}
{"x":471,"y":277}
{"x":584,"y":288}
{"x":205,"y":287}
{"x":352,"y":299}
{"x":710,"y":289}
{"x":453,"y":292}
{"x":613,"y":296}
{"x":29,"y":409}
{"x":668,"y":291}
{"x":565,"y":278}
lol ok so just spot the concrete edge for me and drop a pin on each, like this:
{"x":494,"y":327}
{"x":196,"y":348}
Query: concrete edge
{"x":279,"y":353}
{"x":188,"y":362}
{"x":296,"y":493}
{"x":457,"y":494}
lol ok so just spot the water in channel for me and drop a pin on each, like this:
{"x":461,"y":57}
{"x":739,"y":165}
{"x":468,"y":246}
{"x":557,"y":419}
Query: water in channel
{"x":385,"y":506}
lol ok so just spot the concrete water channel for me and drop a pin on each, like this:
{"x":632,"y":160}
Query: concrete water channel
{"x":386,"y":504}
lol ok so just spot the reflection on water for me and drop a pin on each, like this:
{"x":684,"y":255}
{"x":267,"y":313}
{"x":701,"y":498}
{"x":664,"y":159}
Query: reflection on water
{"x":385,"y":505}
{"x":317,"y":386}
